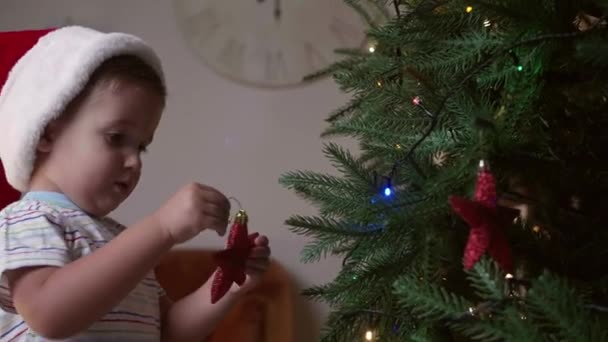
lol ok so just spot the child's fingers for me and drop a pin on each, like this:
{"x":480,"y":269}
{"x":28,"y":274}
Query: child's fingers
{"x":219,"y":225}
{"x":213,"y":195}
{"x":259,"y":265}
{"x":216,"y":210}
{"x":259,"y":252}
{"x":261,"y":240}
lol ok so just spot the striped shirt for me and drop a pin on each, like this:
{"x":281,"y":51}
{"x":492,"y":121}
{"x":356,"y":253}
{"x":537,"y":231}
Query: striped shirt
{"x":47,"y":229}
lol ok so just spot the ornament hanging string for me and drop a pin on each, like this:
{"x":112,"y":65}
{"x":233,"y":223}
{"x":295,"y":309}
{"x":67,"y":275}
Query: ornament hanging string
{"x":235,"y":200}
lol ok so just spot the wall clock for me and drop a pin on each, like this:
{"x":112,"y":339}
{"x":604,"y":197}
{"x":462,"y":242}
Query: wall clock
{"x":268,"y":43}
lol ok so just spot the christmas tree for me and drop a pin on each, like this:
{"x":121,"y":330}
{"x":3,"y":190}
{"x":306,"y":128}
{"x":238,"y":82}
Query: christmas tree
{"x":477,"y":205}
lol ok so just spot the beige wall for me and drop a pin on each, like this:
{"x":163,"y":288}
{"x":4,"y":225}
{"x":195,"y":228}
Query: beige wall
{"x":234,"y":138}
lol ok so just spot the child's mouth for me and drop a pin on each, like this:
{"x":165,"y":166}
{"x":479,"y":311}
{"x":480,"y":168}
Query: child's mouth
{"x":121,"y":186}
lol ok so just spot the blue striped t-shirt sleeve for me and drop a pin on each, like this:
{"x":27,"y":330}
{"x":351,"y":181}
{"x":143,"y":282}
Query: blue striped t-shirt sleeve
{"x":29,"y":238}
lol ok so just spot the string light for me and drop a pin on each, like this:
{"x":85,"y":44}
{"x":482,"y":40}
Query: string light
{"x":469,"y":9}
{"x":388,"y":189}
{"x":371,"y":45}
{"x":369,"y":335}
{"x":379,"y":84}
{"x":416,"y":101}
{"x":518,"y":66}
{"x":487,"y":23}
{"x":398,"y":146}
{"x":509,"y":288}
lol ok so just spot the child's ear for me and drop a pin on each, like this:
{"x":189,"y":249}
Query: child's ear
{"x":45,"y":144}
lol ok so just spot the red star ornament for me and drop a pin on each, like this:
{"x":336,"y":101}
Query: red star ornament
{"x":486,"y":220}
{"x":232,"y":261}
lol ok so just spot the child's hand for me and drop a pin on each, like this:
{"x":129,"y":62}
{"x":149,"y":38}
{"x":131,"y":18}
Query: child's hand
{"x":257,"y":264}
{"x":192,"y":209}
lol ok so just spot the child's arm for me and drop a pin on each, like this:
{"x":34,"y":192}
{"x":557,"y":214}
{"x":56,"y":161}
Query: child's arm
{"x":194,"y":317}
{"x":60,"y":302}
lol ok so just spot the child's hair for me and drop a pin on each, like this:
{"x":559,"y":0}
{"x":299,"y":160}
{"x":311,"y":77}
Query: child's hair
{"x":111,"y":74}
{"x":123,"y":68}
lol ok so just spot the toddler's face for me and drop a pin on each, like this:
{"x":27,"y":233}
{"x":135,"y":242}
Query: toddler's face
{"x":96,"y":157}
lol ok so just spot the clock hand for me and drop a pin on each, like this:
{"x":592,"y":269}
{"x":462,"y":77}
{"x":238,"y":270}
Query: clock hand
{"x":277,"y":10}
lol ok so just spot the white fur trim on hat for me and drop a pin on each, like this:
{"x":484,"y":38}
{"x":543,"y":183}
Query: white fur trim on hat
{"x":45,"y":80}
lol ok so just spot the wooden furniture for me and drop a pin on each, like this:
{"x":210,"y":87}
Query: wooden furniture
{"x":266,"y":314}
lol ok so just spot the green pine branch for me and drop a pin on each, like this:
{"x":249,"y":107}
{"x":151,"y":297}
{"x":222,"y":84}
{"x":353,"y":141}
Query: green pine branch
{"x":593,"y":51}
{"x":556,"y":306}
{"x":329,"y":235}
{"x":429,"y":300}
{"x":487,"y":280}
{"x":348,"y":165}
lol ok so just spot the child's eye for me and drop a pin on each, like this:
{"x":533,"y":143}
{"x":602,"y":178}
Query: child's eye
{"x":143,"y":148}
{"x":115,"y":139}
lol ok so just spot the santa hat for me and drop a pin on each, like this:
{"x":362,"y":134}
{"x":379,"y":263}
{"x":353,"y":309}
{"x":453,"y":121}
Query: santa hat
{"x":41,"y":71}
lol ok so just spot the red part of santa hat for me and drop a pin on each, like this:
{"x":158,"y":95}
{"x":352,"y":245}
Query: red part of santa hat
{"x":41,"y":72}
{"x":13,"y":45}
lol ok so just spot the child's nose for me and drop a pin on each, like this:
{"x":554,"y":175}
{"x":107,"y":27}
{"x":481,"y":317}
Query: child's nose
{"x":133,"y":161}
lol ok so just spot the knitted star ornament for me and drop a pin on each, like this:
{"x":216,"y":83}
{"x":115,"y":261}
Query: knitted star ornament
{"x":232,"y":261}
{"x":487,"y":221}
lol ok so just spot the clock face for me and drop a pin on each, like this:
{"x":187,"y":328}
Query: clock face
{"x":268,"y":43}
